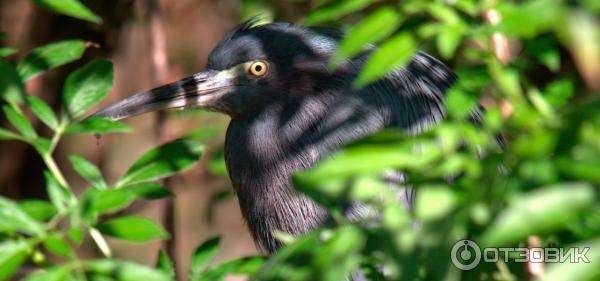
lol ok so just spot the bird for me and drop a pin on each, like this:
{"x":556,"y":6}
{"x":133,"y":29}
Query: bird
{"x":289,"y":110}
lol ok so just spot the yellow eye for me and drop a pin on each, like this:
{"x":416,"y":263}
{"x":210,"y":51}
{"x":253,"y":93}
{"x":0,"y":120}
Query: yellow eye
{"x":258,"y":68}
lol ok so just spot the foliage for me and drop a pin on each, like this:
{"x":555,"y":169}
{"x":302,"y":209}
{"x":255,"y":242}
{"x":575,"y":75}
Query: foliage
{"x":30,"y":230}
{"x":542,"y":182}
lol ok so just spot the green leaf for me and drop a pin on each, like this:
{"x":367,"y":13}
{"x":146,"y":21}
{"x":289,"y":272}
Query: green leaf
{"x":559,"y":92}
{"x":541,"y":104}
{"x":335,"y":9}
{"x":72,"y":8}
{"x":165,"y":264}
{"x":148,"y":190}
{"x":13,"y":218}
{"x":339,"y":254}
{"x":58,"y":194}
{"x":20,"y":122}
{"x":13,"y":255}
{"x":11,"y":86}
{"x":55,"y":273}
{"x":217,"y":164}
{"x":97,"y":125}
{"x":8,"y":135}
{"x":43,"y":145}
{"x":540,"y":211}
{"x":530,"y":18}
{"x":76,"y":235}
{"x":443,"y":13}
{"x":375,"y":27}
{"x":246,"y":266}
{"x":42,"y":111}
{"x":163,"y":161}
{"x":449,"y":39}
{"x":7,"y":51}
{"x":50,"y":56}
{"x":88,"y":171}
{"x":38,"y":209}
{"x":133,"y":228}
{"x":86,"y":86}
{"x":460,"y":104}
{"x":125,"y":271}
{"x":434,"y":202}
{"x":202,"y":256}
{"x":392,"y":54}
{"x":58,"y":246}
{"x":103,"y":201}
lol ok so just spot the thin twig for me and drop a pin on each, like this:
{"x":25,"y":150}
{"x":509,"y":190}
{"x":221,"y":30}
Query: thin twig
{"x":160,"y":68}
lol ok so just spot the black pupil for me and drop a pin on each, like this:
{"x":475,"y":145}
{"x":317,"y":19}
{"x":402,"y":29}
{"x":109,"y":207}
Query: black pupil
{"x":257,"y":68}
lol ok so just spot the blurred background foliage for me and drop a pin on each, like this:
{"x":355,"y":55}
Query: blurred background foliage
{"x":533,"y":64}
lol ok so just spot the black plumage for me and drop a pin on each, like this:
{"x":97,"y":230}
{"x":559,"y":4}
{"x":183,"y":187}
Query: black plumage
{"x":295,"y":114}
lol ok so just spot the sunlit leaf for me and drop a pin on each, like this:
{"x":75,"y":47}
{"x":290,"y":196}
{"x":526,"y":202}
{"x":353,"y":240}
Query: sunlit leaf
{"x":37,"y":209}
{"x":13,"y":218}
{"x":395,"y":52}
{"x":248,"y":266}
{"x":165,"y":264}
{"x":7,"y":51}
{"x":375,"y":27}
{"x":202,"y":256}
{"x":559,"y":92}
{"x":537,"y":212}
{"x":58,"y":246}
{"x":58,"y":194}
{"x":335,"y":9}
{"x":98,"y":125}
{"x":50,"y":56}
{"x":332,"y":255}
{"x":76,"y":235}
{"x":529,"y":18}
{"x":72,"y":8}
{"x":540,"y":103}
{"x":86,"y":86}
{"x":13,"y":255}
{"x":133,"y":228}
{"x":163,"y":161}
{"x":20,"y":122}
{"x":8,"y":135}
{"x":42,"y":111}
{"x":460,"y":104}
{"x":88,"y":171}
{"x":125,"y":271}
{"x":449,"y":39}
{"x":100,"y":201}
{"x":55,"y":273}
{"x":434,"y":202}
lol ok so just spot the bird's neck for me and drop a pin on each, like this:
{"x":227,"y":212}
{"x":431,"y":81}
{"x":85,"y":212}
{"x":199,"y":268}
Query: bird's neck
{"x":263,"y":152}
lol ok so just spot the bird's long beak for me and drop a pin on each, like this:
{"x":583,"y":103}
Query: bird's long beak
{"x":200,"y":90}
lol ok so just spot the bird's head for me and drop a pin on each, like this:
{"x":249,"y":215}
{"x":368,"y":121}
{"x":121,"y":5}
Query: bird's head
{"x":252,"y":67}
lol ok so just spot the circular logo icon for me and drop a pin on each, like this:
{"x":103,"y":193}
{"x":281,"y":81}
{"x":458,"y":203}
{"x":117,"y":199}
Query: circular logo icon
{"x":465,"y":254}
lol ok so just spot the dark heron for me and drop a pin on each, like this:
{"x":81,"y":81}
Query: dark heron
{"x":288,"y":111}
